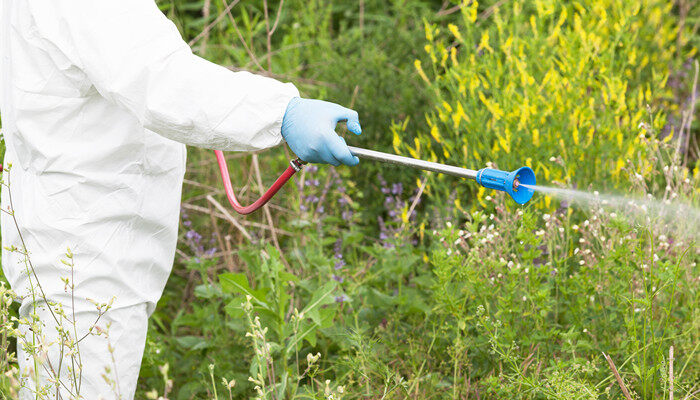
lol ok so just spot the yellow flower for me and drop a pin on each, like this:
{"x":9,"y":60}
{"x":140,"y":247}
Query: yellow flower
{"x":493,"y":107}
{"x":484,"y":43}
{"x":471,"y":11}
{"x":455,"y":32}
{"x":420,"y":71}
{"x":435,"y":134}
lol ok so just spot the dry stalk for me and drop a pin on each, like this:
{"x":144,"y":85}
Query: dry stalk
{"x":417,"y":199}
{"x":246,"y":223}
{"x":206,"y":12}
{"x":684,"y":142}
{"x":618,"y":377}
{"x":240,"y":36}
{"x":207,"y":28}
{"x":670,"y":373}
{"x":227,"y":256}
{"x":230,"y":217}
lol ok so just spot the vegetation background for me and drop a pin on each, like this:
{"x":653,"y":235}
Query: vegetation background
{"x":381,"y":283}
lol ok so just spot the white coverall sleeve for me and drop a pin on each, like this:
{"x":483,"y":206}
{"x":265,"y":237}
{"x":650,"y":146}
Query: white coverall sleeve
{"x":135,"y":57}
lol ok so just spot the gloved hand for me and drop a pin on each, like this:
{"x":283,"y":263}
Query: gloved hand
{"x":308,"y":127}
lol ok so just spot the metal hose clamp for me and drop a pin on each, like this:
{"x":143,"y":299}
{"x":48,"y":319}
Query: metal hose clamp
{"x":297,"y":164}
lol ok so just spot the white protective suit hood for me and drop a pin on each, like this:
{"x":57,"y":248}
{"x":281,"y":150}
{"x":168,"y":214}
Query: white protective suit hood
{"x":98,"y":98}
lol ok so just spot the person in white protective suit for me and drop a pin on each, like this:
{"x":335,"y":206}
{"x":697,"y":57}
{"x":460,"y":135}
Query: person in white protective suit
{"x":99,"y":98}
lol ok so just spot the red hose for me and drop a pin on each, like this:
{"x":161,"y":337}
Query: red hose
{"x":288,"y":173}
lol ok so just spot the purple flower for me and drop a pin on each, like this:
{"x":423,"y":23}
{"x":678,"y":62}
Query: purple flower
{"x":341,"y":299}
{"x":187,"y":223}
{"x":338,"y":278}
{"x":193,"y":236}
{"x":339,"y":264}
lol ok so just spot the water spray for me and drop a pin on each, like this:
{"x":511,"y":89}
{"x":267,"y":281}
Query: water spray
{"x":518,"y":184}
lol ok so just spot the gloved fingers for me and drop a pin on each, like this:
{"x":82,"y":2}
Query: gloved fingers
{"x":341,"y":152}
{"x":352,"y":118}
{"x":329,"y":158}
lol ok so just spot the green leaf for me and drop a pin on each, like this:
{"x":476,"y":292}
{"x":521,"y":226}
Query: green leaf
{"x":238,"y":283}
{"x":192,"y":342}
{"x":207,"y":291}
{"x":307,"y":332}
{"x":637,"y":371}
{"x":321,"y":297}
{"x":287,"y":277}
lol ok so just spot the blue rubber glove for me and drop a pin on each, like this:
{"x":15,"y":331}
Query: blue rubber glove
{"x":308,"y":127}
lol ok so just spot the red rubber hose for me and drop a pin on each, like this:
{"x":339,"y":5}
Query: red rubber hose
{"x":295,"y":166}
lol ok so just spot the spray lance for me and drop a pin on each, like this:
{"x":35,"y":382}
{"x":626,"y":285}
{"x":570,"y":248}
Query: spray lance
{"x":517,"y":183}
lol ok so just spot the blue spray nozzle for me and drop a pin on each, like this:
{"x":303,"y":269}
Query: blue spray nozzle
{"x":509,"y":182}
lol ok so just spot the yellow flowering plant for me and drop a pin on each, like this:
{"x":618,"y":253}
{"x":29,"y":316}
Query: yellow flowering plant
{"x":527,"y":83}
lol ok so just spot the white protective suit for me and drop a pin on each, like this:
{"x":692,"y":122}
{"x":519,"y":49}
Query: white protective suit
{"x":98,"y":99}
